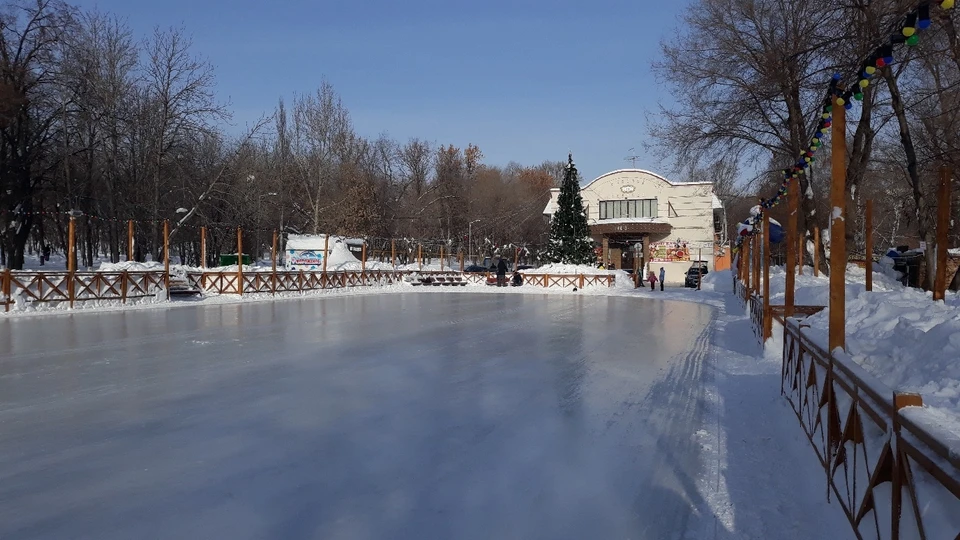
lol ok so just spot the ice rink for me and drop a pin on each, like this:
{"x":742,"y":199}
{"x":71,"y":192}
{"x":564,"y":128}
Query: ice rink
{"x":415,"y":416}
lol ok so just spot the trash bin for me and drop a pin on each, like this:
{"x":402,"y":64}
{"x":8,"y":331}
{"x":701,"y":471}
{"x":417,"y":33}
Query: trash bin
{"x":231,"y":260}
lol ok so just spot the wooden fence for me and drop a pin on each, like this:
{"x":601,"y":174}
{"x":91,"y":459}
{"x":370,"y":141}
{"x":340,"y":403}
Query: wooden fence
{"x":562,"y":281}
{"x":54,"y":288}
{"x":287,"y":281}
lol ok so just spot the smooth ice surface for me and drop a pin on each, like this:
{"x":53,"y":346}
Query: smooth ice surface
{"x":395,"y":416}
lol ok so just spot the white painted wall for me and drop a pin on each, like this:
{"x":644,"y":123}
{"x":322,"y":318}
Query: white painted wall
{"x":687,"y":207}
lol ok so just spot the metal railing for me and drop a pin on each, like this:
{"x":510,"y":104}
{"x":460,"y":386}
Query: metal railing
{"x":892,"y":476}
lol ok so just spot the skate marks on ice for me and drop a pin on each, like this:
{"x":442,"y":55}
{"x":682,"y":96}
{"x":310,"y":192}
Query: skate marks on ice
{"x":401,"y":416}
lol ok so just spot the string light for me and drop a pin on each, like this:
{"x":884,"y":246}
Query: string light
{"x":881,"y":57}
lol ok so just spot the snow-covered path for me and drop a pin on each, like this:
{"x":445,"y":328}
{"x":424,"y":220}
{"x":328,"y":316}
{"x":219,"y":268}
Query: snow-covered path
{"x":385,"y":416}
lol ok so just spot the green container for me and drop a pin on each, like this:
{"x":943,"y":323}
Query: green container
{"x":231,"y":260}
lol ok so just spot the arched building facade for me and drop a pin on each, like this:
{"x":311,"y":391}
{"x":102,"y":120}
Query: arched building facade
{"x":640,"y":219}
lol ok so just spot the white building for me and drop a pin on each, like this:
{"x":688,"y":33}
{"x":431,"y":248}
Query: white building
{"x":636,"y":212}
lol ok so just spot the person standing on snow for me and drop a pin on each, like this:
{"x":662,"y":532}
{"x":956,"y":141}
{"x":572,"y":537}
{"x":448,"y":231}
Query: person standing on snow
{"x":652,"y":278}
{"x":502,"y":273}
{"x":663,"y":275}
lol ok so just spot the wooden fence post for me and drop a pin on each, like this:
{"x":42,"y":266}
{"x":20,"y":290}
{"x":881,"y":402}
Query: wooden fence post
{"x":801,"y":247}
{"x":326,"y":253}
{"x":363,"y":256}
{"x":130,"y":240}
{"x":516,"y":259}
{"x":124,"y":278}
{"x":166,"y":256}
{"x":461,"y":260}
{"x":203,"y":247}
{"x":943,"y":228}
{"x":793,"y":205}
{"x":838,"y":240}
{"x":393,"y":253}
{"x":868,"y":235}
{"x":765,"y":254}
{"x":420,"y":256}
{"x":441,"y":258}
{"x":239,"y":261}
{"x":756,"y":261}
{"x":7,"y":289}
{"x":273,"y":256}
{"x":71,"y":246}
{"x":816,"y":251}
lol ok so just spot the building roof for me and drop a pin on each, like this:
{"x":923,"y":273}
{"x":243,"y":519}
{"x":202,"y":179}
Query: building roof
{"x":653,"y":174}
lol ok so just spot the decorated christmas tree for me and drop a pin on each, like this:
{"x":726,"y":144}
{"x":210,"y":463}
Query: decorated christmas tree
{"x":570,"y":241}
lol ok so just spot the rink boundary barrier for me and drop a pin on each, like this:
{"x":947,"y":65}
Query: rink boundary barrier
{"x":56,"y":288}
{"x":887,"y":468}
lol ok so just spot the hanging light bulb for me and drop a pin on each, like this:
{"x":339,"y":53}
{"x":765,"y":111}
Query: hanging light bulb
{"x":825,"y":115}
{"x":869,"y":71}
{"x":886,"y":54}
{"x":909,"y":27}
{"x":923,"y":16}
{"x":947,"y":4}
{"x":864,"y":83}
{"x":913,"y":40}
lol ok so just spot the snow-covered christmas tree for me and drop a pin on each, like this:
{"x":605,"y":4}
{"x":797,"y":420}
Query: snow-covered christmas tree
{"x":570,"y":241}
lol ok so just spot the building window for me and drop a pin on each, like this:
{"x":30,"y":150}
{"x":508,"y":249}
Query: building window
{"x":630,"y":208}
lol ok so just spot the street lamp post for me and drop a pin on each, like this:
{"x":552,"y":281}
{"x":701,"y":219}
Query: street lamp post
{"x":470,"y":240}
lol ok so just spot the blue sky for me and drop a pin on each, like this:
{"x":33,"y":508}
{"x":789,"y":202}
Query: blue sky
{"x":525,"y":81}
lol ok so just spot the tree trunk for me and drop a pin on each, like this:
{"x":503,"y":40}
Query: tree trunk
{"x":913,"y":175}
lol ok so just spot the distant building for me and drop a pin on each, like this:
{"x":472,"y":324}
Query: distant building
{"x":632,"y":208}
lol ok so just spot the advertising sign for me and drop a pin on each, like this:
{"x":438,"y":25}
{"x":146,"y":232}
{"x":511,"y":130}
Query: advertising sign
{"x":304,"y":259}
{"x":677,"y":251}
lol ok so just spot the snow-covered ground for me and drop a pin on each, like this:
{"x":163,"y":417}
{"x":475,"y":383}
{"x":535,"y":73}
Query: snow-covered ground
{"x":515,"y":413}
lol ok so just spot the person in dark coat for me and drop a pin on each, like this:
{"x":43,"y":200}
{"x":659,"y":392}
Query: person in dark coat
{"x":502,"y":273}
{"x":517,"y":279}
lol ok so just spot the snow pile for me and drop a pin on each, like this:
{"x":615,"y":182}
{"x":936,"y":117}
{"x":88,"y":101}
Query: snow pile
{"x":898,"y":334}
{"x":905,"y":339}
{"x":341,"y":259}
{"x":718,"y":281}
{"x":131,"y":266}
{"x":815,"y":291}
{"x":559,"y":268}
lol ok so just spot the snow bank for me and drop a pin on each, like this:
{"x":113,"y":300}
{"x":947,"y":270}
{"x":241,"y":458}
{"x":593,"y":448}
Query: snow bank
{"x":558,"y":268}
{"x":897,"y":334}
{"x":718,"y":281}
{"x":910,"y":342}
{"x":131,"y":266}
